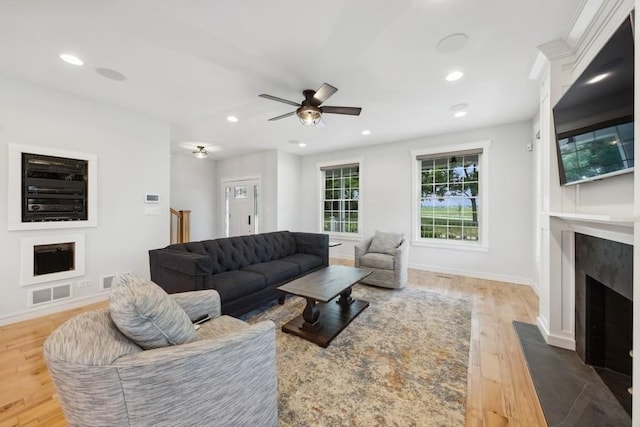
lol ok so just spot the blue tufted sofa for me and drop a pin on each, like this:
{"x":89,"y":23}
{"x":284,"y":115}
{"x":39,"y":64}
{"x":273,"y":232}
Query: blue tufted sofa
{"x":245,"y":270}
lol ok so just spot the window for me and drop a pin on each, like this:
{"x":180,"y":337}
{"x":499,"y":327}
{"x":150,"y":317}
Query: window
{"x":450,"y":196}
{"x":341,"y":198}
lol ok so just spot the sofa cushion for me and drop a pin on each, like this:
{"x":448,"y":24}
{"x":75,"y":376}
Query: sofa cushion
{"x":147,"y":315}
{"x":306,"y":262}
{"x":235,"y":284}
{"x":275,"y":271}
{"x":385,"y":243}
{"x":376,"y":260}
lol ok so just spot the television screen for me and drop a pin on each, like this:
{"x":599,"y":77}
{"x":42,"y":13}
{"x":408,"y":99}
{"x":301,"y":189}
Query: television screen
{"x":594,"y":118}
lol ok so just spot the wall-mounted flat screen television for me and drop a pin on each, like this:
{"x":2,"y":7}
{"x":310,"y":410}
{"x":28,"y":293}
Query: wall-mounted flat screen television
{"x":594,"y":119}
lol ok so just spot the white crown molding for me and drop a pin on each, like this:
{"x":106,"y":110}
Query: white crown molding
{"x":587,"y":38}
{"x":556,"y":50}
{"x":583,"y":38}
{"x":581,"y":22}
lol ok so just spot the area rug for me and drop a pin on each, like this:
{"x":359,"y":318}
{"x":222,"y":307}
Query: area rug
{"x":402,"y":361}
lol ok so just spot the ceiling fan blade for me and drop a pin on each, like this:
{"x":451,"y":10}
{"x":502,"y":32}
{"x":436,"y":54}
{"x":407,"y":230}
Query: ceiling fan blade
{"x":282,"y":116}
{"x":322,"y":94}
{"x":353,"y":111}
{"x":275,"y":98}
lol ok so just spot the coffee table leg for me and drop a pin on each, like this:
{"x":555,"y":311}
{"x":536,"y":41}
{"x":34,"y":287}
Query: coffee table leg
{"x":311,"y":316}
{"x":345,"y":297}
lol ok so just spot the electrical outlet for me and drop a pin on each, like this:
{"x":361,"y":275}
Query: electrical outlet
{"x":83,"y":283}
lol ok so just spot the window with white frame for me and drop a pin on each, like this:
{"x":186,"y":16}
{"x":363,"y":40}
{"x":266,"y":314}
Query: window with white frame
{"x":341,"y":198}
{"x":451,"y":195}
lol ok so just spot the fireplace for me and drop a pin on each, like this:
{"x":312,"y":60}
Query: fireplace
{"x":604,"y":311}
{"x":51,"y":258}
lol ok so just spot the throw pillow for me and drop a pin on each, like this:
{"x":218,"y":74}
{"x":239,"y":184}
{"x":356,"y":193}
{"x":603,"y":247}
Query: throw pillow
{"x":147,"y":315}
{"x":385,"y":243}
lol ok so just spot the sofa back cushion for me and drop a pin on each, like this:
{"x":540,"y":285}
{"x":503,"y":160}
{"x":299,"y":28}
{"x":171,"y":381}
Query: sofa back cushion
{"x":234,"y":253}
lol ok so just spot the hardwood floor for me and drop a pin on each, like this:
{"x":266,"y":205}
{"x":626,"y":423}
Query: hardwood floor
{"x":499,"y":393}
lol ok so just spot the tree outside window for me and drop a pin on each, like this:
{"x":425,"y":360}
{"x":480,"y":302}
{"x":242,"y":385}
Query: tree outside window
{"x":449,"y":197}
{"x":341,"y":199}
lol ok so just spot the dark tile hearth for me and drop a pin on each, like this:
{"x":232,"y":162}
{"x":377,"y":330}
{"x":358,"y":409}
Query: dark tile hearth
{"x":570,"y":392}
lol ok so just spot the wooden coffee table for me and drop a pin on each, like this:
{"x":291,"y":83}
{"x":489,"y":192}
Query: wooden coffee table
{"x":322,"y":319}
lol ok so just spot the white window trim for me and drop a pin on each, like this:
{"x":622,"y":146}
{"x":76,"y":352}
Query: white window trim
{"x":482,"y":245}
{"x":320,"y":199}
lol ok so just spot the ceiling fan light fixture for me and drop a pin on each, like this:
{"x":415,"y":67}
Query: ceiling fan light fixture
{"x":200,"y":153}
{"x":309,"y":115}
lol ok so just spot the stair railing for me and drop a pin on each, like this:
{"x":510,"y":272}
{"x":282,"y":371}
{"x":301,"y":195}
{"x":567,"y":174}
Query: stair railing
{"x":179,"y":228}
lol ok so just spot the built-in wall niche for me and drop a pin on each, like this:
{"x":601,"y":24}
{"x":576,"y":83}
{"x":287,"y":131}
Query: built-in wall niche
{"x":46,"y":259}
{"x":51,"y":189}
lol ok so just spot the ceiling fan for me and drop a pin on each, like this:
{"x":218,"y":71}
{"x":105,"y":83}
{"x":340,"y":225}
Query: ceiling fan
{"x":200,"y":152}
{"x":309,"y":111}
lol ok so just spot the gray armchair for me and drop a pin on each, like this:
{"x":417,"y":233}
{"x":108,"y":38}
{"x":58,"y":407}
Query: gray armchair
{"x":226,"y":377}
{"x":389,"y":267}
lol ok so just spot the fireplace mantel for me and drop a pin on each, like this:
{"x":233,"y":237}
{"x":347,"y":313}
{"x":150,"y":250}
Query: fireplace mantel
{"x":614,"y":227}
{"x":620,"y":220}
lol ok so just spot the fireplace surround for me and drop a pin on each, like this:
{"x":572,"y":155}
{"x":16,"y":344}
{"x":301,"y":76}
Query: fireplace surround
{"x":604,"y":310}
{"x":50,"y":258}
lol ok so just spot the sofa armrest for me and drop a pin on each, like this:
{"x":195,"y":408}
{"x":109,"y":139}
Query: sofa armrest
{"x":199,"y":303}
{"x":360,"y":249}
{"x":401,"y":255}
{"x":183,"y":261}
{"x":234,"y":376}
{"x":313,"y":244}
{"x":179,"y":271}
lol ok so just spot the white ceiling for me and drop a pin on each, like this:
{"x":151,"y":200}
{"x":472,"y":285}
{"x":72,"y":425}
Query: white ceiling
{"x":193,"y":63}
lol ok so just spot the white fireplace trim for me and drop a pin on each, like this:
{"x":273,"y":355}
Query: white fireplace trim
{"x":27,"y":277}
{"x":562,"y":313}
{"x":562,"y":341}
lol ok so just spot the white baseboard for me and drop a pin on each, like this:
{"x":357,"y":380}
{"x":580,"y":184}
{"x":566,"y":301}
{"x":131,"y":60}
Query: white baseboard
{"x":342,"y":256}
{"x":565,"y":342}
{"x":36,"y":312}
{"x":475,"y":274}
{"x":466,"y":273}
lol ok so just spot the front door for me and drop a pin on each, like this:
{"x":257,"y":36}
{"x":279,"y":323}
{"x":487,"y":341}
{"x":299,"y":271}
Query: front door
{"x":241,"y":207}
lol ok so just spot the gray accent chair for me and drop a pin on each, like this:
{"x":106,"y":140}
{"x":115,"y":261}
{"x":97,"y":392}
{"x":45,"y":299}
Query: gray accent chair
{"x":227,"y":377}
{"x":389,"y":269}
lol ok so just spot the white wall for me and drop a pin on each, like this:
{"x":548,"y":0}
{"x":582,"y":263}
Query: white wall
{"x":288,"y":188}
{"x":386,"y":201}
{"x":133,"y":159}
{"x":194,"y":187}
{"x":263,"y":165}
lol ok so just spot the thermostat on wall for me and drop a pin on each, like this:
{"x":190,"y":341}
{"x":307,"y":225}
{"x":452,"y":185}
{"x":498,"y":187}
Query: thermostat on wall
{"x":151,"y":198}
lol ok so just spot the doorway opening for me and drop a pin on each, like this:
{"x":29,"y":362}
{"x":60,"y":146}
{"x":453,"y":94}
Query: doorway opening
{"x":241,"y":207}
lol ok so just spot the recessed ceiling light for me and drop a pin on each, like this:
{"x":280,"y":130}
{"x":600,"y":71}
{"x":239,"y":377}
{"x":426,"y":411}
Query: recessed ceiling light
{"x":598,"y":78}
{"x":452,"y":43}
{"x":454,"y":75}
{"x":459,"y":110}
{"x":71,"y":59}
{"x":366,"y":132}
{"x":302,"y":144}
{"x":232,"y":119}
